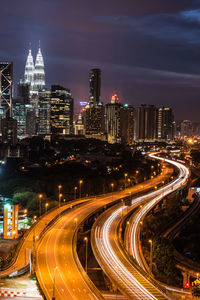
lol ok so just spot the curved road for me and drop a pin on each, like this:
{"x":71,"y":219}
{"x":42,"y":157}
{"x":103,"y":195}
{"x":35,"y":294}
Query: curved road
{"x":106,"y":248}
{"x":56,"y":257}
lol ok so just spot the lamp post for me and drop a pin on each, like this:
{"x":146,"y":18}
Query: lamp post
{"x":46,"y":206}
{"x":75,"y":220}
{"x":54,"y":283}
{"x":112,"y":186}
{"x":59,"y":193}
{"x":75,"y":190}
{"x":80,"y":183}
{"x":151,"y":254}
{"x":86,"y":252}
{"x":60,"y":196}
{"x":125,"y":175}
{"x":40,"y":204}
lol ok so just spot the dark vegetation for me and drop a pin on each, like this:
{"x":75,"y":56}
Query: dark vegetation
{"x":46,"y":165}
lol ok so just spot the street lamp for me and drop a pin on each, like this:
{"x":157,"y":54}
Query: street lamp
{"x":125,"y":175}
{"x":75,"y":220}
{"x":80,"y":183}
{"x":54,"y":283}
{"x":75,"y":190}
{"x":40,"y":204}
{"x":59,"y":188}
{"x":112,"y":186}
{"x":151,"y":254}
{"x":46,"y":206}
{"x":86,"y":252}
{"x":60,"y":196}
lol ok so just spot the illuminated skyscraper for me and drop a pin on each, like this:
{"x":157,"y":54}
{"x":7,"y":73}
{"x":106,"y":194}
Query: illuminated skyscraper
{"x":44,"y":113}
{"x":39,"y":74}
{"x":6,"y":83}
{"x":145,"y":123}
{"x":95,"y":87}
{"x":61,"y":111}
{"x":165,"y":123}
{"x":29,"y":70}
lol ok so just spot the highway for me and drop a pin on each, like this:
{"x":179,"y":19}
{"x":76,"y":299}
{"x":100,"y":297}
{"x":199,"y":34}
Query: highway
{"x":22,"y":257}
{"x":105,"y":237}
{"x":58,"y":270}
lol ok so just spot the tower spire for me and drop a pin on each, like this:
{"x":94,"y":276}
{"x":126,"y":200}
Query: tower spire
{"x":29,"y":68}
{"x":39,"y":74}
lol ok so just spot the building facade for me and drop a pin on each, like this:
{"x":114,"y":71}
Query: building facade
{"x":95,"y":87}
{"x":44,"y":115}
{"x":6,"y":85}
{"x":145,"y":128}
{"x":61,"y":111}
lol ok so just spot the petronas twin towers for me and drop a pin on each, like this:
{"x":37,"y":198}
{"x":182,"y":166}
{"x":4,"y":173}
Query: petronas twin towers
{"x":34,"y":74}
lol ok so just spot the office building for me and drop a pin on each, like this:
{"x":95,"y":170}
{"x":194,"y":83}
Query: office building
{"x":19,"y":114}
{"x":39,"y":74}
{"x":165,"y":124}
{"x":23,"y":92}
{"x":145,"y":128}
{"x":113,"y":120}
{"x":94,"y":121}
{"x":34,"y":74}
{"x":29,"y":70}
{"x":44,"y":115}
{"x":127,"y":124}
{"x":6,"y":84}
{"x":30,"y":120}
{"x":61,"y":111}
{"x":186,"y":129}
{"x":95,"y":87}
{"x":10,"y":221}
{"x":8,"y":131}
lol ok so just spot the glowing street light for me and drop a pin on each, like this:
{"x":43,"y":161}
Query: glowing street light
{"x":59,"y":198}
{"x":125,"y":176}
{"x":59,"y":193}
{"x":75,"y":220}
{"x":46,"y":206}
{"x":75,"y":190}
{"x":80,"y":184}
{"x":151,"y":254}
{"x":86,"y":252}
{"x":40,"y":204}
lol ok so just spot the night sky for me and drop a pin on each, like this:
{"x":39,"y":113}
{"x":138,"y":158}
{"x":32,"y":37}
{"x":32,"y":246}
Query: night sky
{"x":148,"y":50}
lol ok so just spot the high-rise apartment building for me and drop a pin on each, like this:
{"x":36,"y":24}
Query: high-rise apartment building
{"x":61,"y":110}
{"x":6,"y":84}
{"x":128,"y":124}
{"x":95,"y":87}
{"x":165,"y":124}
{"x":30,"y":120}
{"x":94,"y":121}
{"x":19,"y":114}
{"x":8,"y":131}
{"x":186,"y":129}
{"x":23,"y":92}
{"x":145,"y":123}
{"x":44,"y":116}
{"x":119,"y":122}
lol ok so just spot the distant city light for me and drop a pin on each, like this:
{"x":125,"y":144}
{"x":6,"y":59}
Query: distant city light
{"x":83,"y":103}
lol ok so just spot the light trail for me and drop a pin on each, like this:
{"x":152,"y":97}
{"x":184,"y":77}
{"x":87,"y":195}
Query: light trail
{"x":160,"y":194}
{"x":111,"y":256}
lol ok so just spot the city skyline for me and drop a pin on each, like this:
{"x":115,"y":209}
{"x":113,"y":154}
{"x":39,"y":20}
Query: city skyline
{"x":147,"y":54}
